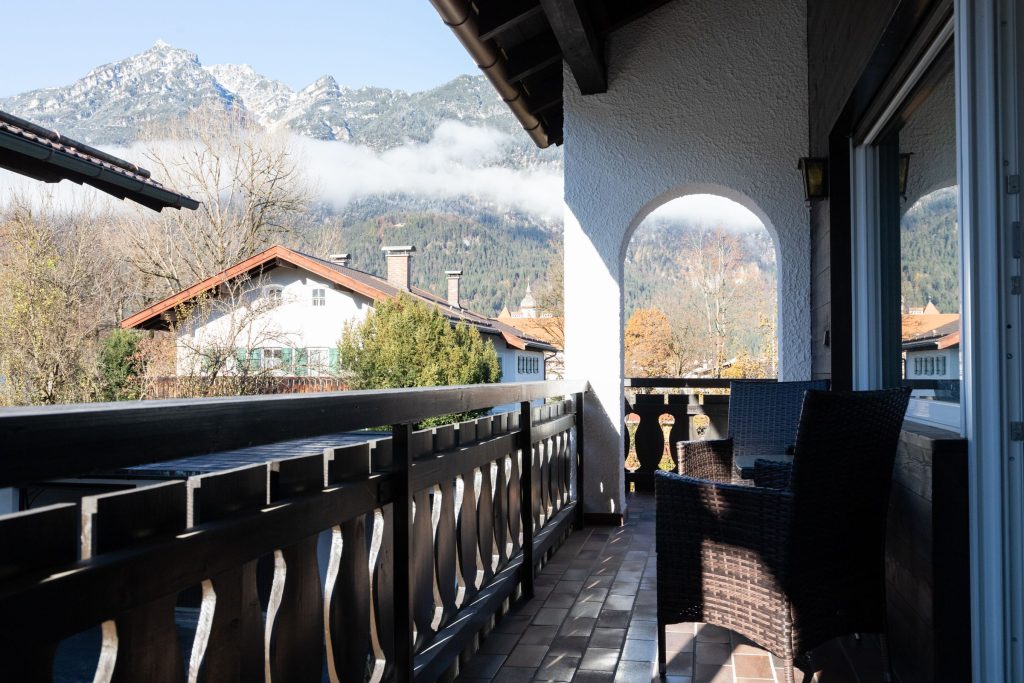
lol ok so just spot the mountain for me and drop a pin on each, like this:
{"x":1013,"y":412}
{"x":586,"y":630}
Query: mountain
{"x":113,"y":103}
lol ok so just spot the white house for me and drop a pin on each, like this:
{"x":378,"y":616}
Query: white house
{"x":284,"y":311}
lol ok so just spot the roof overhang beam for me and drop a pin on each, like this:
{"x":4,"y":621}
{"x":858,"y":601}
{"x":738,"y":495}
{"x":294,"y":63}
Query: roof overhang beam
{"x":581,"y":45}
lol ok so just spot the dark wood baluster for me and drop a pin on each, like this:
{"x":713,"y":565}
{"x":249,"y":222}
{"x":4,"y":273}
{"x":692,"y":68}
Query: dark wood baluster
{"x":555,"y":489}
{"x":514,"y":501}
{"x":422,"y":445}
{"x":536,"y":467}
{"x":501,"y":512}
{"x":570,"y":442}
{"x":678,"y":409}
{"x":445,"y":557}
{"x":228,"y":644}
{"x":294,"y":631}
{"x":142,"y":643}
{"x":467,"y":541}
{"x":649,"y":439}
{"x":526,"y":491}
{"x":347,"y":592}
{"x":488,"y":549}
{"x":35,"y":543}
{"x":485,"y":524}
{"x":384,"y":595}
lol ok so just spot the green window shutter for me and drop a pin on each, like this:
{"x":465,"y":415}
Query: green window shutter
{"x":332,"y":359}
{"x":254,"y":359}
{"x":286,"y":360}
{"x":301,"y":362}
{"x":240,"y":357}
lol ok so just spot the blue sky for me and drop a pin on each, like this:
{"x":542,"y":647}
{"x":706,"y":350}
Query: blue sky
{"x":390,"y":43}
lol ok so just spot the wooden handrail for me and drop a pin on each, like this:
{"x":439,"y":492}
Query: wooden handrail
{"x":58,"y":441}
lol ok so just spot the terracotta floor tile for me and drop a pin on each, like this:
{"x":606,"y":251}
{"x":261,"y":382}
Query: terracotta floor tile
{"x":577,"y":626}
{"x":594,"y":677}
{"x":635,"y":672}
{"x":713,"y":634}
{"x":712,"y":674}
{"x":642,"y":630}
{"x":600,"y":659}
{"x":514,"y":674}
{"x":550,"y":616}
{"x":527,"y":655}
{"x":752,"y":666}
{"x":607,"y":637}
{"x":557,"y":668}
{"x":639,"y":650}
{"x":713,"y":653}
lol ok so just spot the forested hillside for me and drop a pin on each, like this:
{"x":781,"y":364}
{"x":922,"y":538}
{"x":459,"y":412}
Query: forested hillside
{"x":930,"y":252}
{"x":499,"y":254}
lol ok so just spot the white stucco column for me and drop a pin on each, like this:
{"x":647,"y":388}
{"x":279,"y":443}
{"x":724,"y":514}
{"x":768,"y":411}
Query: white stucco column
{"x":703,"y":97}
{"x":593,"y":350}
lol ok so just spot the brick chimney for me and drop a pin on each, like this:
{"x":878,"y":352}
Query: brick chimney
{"x":400,"y":266}
{"x":340,"y":259}
{"x":454,"y":276}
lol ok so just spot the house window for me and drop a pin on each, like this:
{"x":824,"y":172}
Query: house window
{"x":319,"y":296}
{"x":318,"y":360}
{"x":272,"y":359}
{"x":273,"y":293}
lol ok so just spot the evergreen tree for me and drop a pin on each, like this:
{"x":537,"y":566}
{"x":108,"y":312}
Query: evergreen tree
{"x":404,"y":342}
{"x":121,"y":366}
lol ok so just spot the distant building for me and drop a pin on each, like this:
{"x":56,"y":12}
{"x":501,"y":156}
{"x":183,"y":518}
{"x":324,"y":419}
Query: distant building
{"x":540,"y":325}
{"x":931,"y":349}
{"x":284,"y":313}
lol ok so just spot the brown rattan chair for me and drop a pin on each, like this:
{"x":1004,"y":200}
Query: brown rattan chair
{"x":788,"y":568}
{"x":763,"y":417}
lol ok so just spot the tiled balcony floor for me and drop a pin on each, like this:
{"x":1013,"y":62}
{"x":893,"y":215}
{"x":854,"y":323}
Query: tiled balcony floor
{"x":594,"y":619}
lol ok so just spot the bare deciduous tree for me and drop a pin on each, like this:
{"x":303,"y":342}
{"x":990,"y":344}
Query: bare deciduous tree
{"x":50,"y":283}
{"x":229,"y":342}
{"x":250,"y":186}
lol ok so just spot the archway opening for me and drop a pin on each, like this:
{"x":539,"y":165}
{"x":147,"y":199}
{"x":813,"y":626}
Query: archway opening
{"x":700,"y":292}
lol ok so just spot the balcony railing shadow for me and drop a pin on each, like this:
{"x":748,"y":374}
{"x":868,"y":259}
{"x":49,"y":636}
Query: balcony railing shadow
{"x":432,"y":533}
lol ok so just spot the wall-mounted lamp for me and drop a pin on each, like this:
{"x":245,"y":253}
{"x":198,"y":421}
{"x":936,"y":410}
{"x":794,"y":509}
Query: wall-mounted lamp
{"x":815,"y":174}
{"x":904,"y":172}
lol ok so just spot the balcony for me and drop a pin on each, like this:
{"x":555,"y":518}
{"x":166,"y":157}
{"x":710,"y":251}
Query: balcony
{"x":317,"y":566}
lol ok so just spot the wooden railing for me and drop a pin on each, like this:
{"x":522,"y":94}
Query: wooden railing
{"x":656,"y":421}
{"x":432,"y":533}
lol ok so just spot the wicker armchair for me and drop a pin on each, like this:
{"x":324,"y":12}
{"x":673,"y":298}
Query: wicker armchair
{"x":788,"y":568}
{"x":762,"y":421}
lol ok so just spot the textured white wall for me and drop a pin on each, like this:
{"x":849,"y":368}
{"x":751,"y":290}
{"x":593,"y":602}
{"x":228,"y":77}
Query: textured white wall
{"x":294,"y":323}
{"x":930,"y":135}
{"x":703,"y":97}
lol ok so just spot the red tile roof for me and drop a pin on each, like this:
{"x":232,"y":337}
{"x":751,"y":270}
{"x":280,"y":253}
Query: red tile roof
{"x":368,"y":285}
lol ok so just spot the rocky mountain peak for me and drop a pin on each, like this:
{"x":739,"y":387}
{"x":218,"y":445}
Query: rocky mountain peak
{"x":114,"y":102}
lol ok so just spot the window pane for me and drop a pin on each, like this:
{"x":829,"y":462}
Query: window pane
{"x":929,"y":244}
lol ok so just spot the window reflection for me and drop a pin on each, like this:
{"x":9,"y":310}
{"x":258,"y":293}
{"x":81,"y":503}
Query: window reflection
{"x":929,"y":246}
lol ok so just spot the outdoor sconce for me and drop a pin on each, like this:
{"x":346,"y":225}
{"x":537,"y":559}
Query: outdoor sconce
{"x":904,"y":172}
{"x":815,"y":174}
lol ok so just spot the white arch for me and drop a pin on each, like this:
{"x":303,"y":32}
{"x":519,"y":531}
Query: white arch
{"x":688,"y":190}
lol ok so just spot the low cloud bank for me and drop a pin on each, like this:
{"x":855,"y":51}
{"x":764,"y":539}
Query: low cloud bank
{"x":458,"y":161}
{"x":707,"y":210}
